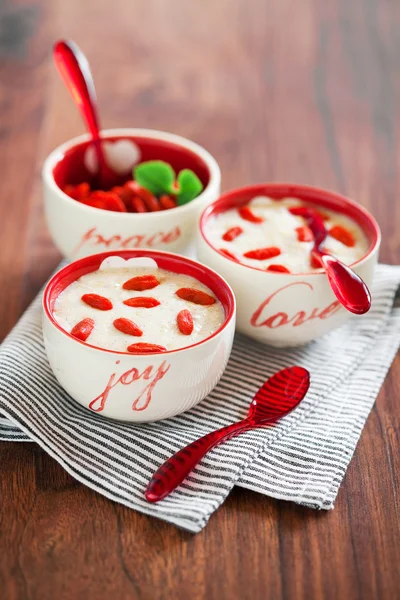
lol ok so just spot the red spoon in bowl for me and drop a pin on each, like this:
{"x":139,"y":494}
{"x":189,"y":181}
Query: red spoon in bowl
{"x":348,"y":287}
{"x":275,"y":399}
{"x":74,"y":69}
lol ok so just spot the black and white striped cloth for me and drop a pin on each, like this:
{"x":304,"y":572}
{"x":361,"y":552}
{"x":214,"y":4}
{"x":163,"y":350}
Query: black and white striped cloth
{"x":302,"y":459}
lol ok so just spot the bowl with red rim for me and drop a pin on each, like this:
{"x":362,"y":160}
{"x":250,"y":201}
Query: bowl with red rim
{"x":275,"y":306}
{"x":150,"y":384}
{"x":80,"y":230}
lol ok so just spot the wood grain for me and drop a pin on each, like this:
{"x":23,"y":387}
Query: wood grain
{"x":303,"y":91}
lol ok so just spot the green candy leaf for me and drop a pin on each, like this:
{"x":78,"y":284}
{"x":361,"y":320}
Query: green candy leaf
{"x":156,"y":176}
{"x":189,"y":186}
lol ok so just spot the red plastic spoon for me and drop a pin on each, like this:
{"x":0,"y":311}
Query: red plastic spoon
{"x":275,"y":399}
{"x":348,"y":287}
{"x":74,"y":68}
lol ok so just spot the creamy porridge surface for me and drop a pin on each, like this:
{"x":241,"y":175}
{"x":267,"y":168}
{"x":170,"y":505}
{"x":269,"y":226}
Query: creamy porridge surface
{"x":280,"y":229}
{"x":158,"y":324}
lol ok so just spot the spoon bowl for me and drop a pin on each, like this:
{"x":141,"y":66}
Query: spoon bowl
{"x":279,"y":395}
{"x":348,"y":287}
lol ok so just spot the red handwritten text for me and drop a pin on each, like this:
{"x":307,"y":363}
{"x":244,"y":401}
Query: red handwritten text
{"x":279,"y":319}
{"x":94,"y":238}
{"x":150,"y":374}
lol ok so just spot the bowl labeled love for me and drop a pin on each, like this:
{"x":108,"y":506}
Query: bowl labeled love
{"x":259,"y":240}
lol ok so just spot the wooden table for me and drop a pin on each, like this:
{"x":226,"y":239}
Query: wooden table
{"x":276,"y":90}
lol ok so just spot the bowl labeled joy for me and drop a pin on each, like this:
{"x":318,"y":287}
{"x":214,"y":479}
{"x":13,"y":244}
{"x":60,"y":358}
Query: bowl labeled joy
{"x":138,"y":387}
{"x":80,"y":230}
{"x":278,"y":308}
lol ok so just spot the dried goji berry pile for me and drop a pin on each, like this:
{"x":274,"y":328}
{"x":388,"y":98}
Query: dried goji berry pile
{"x":155,"y":186}
{"x":129,"y":197}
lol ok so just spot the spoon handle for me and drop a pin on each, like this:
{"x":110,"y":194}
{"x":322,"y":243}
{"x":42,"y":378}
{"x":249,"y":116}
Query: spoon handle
{"x":75,"y":71}
{"x":178,"y":466}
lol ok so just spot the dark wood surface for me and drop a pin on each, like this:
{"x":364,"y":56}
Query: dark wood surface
{"x":277,"y":90}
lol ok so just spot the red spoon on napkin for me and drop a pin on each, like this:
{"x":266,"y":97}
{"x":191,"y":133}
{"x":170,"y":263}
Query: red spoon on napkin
{"x":348,"y":287}
{"x":75,"y":72}
{"x":275,"y":399}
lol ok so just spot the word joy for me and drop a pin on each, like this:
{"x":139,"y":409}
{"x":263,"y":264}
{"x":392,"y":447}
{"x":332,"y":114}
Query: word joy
{"x":94,"y":238}
{"x":150,"y":374}
{"x":279,"y":319}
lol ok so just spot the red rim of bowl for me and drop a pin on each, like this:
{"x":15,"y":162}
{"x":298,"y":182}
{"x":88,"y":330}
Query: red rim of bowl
{"x":312,"y":195}
{"x":58,"y":154}
{"x":165,"y":260}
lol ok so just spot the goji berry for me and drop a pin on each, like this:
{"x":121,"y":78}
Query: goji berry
{"x":149,"y":199}
{"x":304,"y":234}
{"x":127,"y":326}
{"x":115,"y":203}
{"x":141,"y":282}
{"x":83,"y":189}
{"x":232,"y":233}
{"x":247,"y":214}
{"x":70,"y":191}
{"x":96,"y":301}
{"x":301,"y":211}
{"x":125,"y":194}
{"x":105,"y":200}
{"x":77,"y":192}
{"x":117,"y":190}
{"x":144,"y":348}
{"x":138,"y":205}
{"x":229,"y":254}
{"x":343,"y":235}
{"x":167,"y":202}
{"x":262,"y":253}
{"x":195,"y":296}
{"x":184,"y":321}
{"x":83,"y":329}
{"x":277,"y":269}
{"x":96,"y":202}
{"x":142,"y":302}
{"x":132,"y":186}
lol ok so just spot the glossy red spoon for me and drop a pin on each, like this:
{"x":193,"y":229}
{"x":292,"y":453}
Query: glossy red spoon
{"x":348,"y":287}
{"x":74,"y":69}
{"x":275,"y":399}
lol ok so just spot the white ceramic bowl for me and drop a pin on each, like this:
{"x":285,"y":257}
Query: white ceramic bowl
{"x":79,"y":230}
{"x":133,"y":387}
{"x":284,"y":309}
{"x":142,"y":387}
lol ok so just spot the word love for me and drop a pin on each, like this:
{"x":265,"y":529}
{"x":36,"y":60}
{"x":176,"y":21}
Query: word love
{"x":150,"y":374}
{"x":94,"y":238}
{"x":279,"y":319}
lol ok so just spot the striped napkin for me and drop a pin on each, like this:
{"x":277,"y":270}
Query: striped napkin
{"x":302,"y":459}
